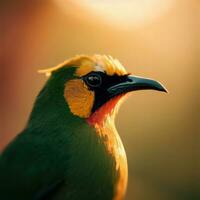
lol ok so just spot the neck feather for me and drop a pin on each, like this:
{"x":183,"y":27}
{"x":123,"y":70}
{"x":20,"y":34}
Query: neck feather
{"x":108,"y":109}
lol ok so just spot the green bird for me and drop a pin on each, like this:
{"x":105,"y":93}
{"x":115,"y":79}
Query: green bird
{"x":70,"y":149}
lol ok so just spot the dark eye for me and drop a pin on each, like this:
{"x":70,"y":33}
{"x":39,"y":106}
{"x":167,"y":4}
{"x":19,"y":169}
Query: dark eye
{"x":93,"y":80}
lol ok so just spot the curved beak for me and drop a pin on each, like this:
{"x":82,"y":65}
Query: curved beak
{"x":132,"y":83}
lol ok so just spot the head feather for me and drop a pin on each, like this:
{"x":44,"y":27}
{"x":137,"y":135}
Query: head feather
{"x":87,"y":64}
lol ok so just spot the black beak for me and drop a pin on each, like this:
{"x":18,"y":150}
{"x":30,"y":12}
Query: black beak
{"x":132,"y":83}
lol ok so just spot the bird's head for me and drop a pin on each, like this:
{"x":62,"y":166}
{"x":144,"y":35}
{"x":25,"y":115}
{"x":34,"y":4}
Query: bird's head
{"x":96,"y":85}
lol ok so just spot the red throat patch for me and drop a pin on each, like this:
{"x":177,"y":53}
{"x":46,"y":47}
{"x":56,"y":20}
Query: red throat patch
{"x":99,"y":115}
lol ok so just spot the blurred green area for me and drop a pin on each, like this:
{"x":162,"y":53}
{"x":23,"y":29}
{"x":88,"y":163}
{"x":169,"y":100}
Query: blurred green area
{"x":160,"y":132}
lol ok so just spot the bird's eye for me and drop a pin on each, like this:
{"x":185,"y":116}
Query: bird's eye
{"x":93,"y":80}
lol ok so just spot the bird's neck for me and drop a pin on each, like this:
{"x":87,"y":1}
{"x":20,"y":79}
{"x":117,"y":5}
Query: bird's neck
{"x":104,"y":122}
{"x":52,"y":117}
{"x":108,"y":110}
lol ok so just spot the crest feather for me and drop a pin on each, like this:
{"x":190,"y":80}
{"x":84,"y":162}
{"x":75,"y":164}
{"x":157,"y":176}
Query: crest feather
{"x":75,"y":61}
{"x":86,"y":64}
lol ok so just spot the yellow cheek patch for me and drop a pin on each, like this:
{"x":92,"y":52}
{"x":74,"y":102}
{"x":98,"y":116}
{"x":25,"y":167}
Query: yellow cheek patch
{"x":79,"y":98}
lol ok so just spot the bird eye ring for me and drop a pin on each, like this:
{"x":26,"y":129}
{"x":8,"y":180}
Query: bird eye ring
{"x":93,"y":80}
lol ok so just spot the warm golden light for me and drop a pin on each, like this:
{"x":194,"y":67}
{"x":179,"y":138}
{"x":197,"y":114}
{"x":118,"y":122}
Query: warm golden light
{"x":155,"y":38}
{"x":124,"y":13}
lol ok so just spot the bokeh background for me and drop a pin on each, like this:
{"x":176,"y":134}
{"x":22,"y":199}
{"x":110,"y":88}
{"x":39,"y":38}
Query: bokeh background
{"x":152,"y":38}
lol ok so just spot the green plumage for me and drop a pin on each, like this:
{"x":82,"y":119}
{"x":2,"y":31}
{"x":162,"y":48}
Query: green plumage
{"x":64,"y":156}
{"x":58,"y":155}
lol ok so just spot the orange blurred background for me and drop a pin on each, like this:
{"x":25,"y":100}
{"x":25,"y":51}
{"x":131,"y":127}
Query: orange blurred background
{"x":152,"y":38}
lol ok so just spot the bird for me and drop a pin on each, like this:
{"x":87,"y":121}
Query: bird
{"x":70,"y":148}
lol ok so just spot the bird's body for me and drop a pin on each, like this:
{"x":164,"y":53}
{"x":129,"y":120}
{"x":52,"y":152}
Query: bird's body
{"x":70,"y":149}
